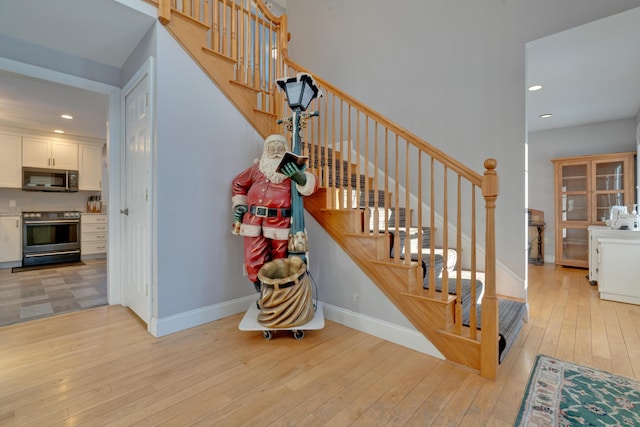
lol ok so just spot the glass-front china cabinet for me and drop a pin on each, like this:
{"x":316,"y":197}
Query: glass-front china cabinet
{"x":585,"y":189}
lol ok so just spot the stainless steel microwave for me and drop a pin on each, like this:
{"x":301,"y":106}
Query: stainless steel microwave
{"x":41,"y":179}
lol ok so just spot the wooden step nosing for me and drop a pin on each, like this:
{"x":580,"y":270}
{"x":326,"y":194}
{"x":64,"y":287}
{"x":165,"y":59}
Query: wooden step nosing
{"x":201,"y":24}
{"x":450,"y":298}
{"x":219,"y":55}
{"x":244,"y":86}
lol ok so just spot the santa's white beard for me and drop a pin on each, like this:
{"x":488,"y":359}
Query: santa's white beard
{"x":268,"y":168}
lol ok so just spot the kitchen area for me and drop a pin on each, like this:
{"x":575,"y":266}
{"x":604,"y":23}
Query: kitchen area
{"x":53,"y":213}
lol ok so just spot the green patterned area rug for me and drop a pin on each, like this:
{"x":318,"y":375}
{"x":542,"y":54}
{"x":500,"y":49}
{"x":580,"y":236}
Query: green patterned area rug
{"x":561,"y":393}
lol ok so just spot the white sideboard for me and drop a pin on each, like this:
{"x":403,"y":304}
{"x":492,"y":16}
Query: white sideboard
{"x":597,"y":232}
{"x":619,"y":269}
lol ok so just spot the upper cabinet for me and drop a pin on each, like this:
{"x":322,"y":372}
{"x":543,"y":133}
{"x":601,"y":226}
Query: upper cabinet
{"x":90,"y":171}
{"x":10,"y":161}
{"x":43,"y":153}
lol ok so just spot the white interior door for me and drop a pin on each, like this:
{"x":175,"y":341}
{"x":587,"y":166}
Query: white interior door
{"x":136,"y":212}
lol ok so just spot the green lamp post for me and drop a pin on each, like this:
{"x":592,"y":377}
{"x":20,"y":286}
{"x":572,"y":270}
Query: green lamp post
{"x":300,"y":91}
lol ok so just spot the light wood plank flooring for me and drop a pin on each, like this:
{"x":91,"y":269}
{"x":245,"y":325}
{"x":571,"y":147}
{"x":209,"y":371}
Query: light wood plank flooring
{"x":101,"y":367}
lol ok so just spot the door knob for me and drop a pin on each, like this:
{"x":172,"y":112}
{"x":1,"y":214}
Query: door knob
{"x":124,"y":211}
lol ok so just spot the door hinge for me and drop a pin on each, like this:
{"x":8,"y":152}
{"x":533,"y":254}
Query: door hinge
{"x":147,"y":98}
{"x":146,"y":194}
{"x":146,"y":289}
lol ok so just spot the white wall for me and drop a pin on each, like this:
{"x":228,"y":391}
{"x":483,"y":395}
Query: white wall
{"x":451,"y":72}
{"x":595,"y":138}
{"x":202,"y":143}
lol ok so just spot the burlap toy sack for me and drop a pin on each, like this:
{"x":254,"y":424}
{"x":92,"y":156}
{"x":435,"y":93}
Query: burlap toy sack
{"x":286,"y":298}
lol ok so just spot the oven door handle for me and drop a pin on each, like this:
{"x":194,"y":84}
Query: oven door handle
{"x":61,"y":221}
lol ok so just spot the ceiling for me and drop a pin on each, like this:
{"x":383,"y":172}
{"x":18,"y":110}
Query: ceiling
{"x":72,"y":27}
{"x":590,"y":73}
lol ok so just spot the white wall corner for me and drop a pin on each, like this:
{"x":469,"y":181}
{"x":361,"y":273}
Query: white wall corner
{"x":509,"y":283}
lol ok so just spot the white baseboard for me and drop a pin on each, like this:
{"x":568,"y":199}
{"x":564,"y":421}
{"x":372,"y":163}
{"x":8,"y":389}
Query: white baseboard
{"x":396,"y":334}
{"x":189,"y":319}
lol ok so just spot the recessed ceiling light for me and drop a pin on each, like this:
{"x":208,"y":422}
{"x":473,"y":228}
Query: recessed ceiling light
{"x":534,"y":88}
{"x":545,"y":116}
{"x":58,"y":131}
{"x":67,"y":116}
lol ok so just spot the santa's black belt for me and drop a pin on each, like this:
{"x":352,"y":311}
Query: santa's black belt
{"x":265,"y":212}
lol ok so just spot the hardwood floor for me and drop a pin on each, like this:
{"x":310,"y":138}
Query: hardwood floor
{"x":101,"y":367}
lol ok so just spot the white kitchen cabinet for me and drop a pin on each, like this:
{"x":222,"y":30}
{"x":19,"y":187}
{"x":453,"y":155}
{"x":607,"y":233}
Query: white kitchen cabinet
{"x":619,"y":270}
{"x":10,"y":161}
{"x":93,"y":235}
{"x":10,"y":241}
{"x":43,"y":153}
{"x":90,"y":167}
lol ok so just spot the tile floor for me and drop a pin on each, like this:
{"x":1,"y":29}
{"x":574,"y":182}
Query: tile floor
{"x":36,"y":294}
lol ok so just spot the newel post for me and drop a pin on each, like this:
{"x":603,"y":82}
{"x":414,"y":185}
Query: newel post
{"x":489,"y":345}
{"x":164,"y":11}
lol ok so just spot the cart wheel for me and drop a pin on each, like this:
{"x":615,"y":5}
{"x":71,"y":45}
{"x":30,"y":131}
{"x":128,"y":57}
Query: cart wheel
{"x":298,"y":335}
{"x":267,"y":335}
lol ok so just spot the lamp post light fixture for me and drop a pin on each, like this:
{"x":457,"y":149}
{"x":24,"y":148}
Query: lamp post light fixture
{"x":300,"y":91}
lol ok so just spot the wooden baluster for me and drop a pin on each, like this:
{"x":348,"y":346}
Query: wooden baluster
{"x":256,"y":54}
{"x":207,"y":13}
{"x":432,"y":230}
{"x":376,"y":195}
{"x":326,"y":163}
{"x":419,"y":271}
{"x":458,"y":323}
{"x":240,"y":75}
{"x":336,"y":155}
{"x":396,"y":203}
{"x":473,"y":312}
{"x":234,"y":31}
{"x":407,"y":204}
{"x":489,"y":346}
{"x":387,"y":201}
{"x":367,"y":208}
{"x":215,"y":26}
{"x":347,"y":201}
{"x":225,"y":30}
{"x":358,"y":169}
{"x":445,"y":237}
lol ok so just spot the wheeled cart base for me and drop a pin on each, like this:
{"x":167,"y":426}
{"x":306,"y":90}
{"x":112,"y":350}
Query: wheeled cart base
{"x":250,"y":323}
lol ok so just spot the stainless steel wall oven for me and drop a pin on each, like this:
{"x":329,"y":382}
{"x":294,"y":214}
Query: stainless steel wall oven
{"x":50,"y":237}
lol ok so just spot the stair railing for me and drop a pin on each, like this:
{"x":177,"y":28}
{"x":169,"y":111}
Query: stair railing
{"x":247,"y":34}
{"x":372,"y":167}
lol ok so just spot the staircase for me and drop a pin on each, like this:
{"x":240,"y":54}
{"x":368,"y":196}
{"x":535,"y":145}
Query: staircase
{"x":385,"y":194}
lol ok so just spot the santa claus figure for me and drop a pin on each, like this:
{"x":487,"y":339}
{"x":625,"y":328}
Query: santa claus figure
{"x":261,"y":203}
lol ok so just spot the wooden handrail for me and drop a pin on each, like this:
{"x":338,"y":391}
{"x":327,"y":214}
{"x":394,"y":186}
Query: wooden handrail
{"x":371,"y":167}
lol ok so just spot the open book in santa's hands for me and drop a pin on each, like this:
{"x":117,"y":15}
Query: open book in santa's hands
{"x":290,"y":157}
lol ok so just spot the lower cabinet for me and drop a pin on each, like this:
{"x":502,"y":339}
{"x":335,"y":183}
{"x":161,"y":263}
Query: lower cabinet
{"x":93,"y":235}
{"x":10,"y":239}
